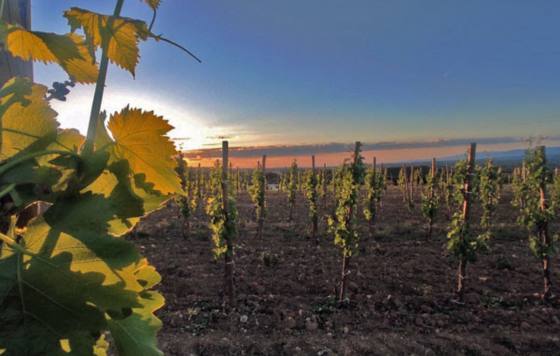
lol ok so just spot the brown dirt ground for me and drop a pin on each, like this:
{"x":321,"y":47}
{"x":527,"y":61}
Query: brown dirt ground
{"x":400,"y":290}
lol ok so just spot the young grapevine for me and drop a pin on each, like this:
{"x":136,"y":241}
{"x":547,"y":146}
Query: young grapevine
{"x":374,"y":186}
{"x":430,"y":200}
{"x":343,"y":223}
{"x":292,"y":189}
{"x":462,"y":241}
{"x":311,"y":193}
{"x":489,"y":194}
{"x":257,"y":192}
{"x":183,"y":199}
{"x":536,"y":213}
{"x":222,"y":212}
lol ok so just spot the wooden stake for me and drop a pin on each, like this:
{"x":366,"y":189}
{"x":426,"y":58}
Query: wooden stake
{"x":237,"y":181}
{"x":324,"y":174}
{"x":260,"y":226}
{"x":411,"y":186}
{"x":229,"y":291}
{"x":461,"y":272}
{"x":543,"y":230}
{"x":432,"y":194}
{"x":314,"y":221}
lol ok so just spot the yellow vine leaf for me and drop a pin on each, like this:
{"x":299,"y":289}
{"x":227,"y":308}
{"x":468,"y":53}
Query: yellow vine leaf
{"x":121,"y":39}
{"x":69,"y":51}
{"x":140,"y":138}
{"x":154,"y":4}
{"x":27,"y":125}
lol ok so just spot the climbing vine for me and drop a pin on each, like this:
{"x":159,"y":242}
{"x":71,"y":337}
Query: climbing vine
{"x":68,"y":277}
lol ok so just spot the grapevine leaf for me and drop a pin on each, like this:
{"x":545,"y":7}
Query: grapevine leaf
{"x":119,"y":35}
{"x":101,"y":348}
{"x":29,"y":173}
{"x":106,"y":277}
{"x":68,"y":140}
{"x":129,"y":195}
{"x":69,"y":51}
{"x":140,"y":139}
{"x":153,"y":4}
{"x":136,"y":334}
{"x":15,"y":90}
{"x":26,"y":126}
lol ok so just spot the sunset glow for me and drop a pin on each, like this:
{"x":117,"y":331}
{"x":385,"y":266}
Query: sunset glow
{"x":278,"y":74}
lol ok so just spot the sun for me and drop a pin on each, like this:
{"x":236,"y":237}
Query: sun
{"x":190,"y":130}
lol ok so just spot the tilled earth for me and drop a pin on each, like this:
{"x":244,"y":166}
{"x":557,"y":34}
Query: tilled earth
{"x":400,"y":289}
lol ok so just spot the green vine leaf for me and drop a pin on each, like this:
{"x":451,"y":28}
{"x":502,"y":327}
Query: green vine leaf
{"x":136,"y":334}
{"x":108,"y":279}
{"x":129,"y":196}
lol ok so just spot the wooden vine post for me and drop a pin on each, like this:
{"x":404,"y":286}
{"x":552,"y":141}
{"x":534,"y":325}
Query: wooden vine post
{"x":371,"y":221}
{"x":228,"y":258}
{"x":314,"y":218}
{"x":543,"y":231}
{"x":198,"y":186}
{"x":324,"y":187}
{"x":432,"y":188}
{"x":403,"y":183}
{"x":466,"y":212}
{"x":383,"y":173}
{"x":333,"y":181}
{"x":371,"y":226}
{"x":237,"y":180}
{"x":260,"y":226}
{"x":411,"y":186}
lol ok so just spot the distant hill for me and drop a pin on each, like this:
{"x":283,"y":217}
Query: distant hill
{"x":502,"y":158}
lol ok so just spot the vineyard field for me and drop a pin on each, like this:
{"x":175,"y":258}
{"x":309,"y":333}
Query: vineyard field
{"x":284,"y":188}
{"x":401,"y":287}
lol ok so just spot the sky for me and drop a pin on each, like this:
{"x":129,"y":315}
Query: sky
{"x":319,"y":72}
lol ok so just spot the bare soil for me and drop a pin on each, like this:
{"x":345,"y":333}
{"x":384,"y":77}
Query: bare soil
{"x":401,"y":289}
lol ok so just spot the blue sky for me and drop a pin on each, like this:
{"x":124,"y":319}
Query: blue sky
{"x":318,"y":71}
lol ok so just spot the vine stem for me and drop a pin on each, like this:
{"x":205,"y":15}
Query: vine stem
{"x":100,"y":84}
{"x":2,"y":3}
{"x":7,"y":189}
